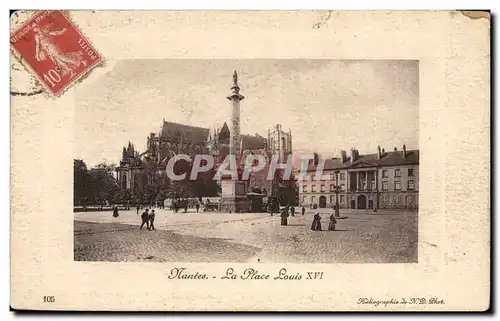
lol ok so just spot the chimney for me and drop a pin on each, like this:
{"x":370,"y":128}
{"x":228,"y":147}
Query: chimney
{"x":404,"y":151}
{"x":379,"y":152}
{"x":354,"y":153}
{"x":343,"y":156}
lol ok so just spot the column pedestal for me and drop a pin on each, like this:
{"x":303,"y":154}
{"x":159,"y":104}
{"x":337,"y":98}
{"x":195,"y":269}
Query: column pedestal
{"x":234,"y":198}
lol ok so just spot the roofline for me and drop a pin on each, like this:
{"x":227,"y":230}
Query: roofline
{"x":350,"y":167}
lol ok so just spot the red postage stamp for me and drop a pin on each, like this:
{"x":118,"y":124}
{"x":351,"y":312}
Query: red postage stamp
{"x":54,"y":50}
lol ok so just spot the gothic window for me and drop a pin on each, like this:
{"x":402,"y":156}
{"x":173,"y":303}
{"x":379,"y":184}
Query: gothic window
{"x":137,"y":182}
{"x":124,"y":181}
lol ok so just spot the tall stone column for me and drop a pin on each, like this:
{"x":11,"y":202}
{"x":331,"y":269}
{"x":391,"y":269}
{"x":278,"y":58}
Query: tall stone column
{"x":234,"y":198}
{"x":235,"y":98}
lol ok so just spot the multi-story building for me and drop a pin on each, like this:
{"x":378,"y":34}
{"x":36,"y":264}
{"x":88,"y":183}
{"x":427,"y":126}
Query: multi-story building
{"x":380,"y":180}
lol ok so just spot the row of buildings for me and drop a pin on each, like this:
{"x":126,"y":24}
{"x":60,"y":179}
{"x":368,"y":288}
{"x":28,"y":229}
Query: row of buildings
{"x":381,"y":180}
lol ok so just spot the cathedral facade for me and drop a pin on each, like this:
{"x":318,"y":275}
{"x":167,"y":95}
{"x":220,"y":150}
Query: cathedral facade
{"x":137,"y":169}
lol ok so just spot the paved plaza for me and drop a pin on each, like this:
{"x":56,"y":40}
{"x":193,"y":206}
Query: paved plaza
{"x":361,"y":237}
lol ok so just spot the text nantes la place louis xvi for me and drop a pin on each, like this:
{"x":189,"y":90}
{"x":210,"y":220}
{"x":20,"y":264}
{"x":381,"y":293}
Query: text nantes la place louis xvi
{"x":245,"y":274}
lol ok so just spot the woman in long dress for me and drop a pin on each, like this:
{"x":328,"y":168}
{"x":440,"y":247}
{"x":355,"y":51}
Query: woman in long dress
{"x":115,"y":211}
{"x":333,"y":221}
{"x":316,"y":224}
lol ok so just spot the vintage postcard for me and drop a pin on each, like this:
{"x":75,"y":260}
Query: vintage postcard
{"x":250,"y":161}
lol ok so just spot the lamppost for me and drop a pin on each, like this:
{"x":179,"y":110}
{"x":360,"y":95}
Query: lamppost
{"x":337,"y":191}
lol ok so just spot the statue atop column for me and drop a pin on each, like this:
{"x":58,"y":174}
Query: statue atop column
{"x":235,"y":79}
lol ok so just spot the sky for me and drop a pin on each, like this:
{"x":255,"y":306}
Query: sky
{"x":328,"y":104}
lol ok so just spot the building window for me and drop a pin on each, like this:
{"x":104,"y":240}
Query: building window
{"x":313,"y":199}
{"x":397,"y":199}
{"x":397,"y":185}
{"x":410,"y":171}
{"x":322,"y":188}
{"x":304,"y":188}
{"x":411,"y":185}
{"x":342,"y":187}
{"x":342,"y":176}
{"x":397,"y":173}
{"x":331,"y":187}
{"x":332,"y":199}
{"x":313,"y":188}
{"x":385,"y":186}
{"x":385,"y":199}
{"x":374,"y":187}
{"x":342,"y":199}
{"x":384,"y":174}
{"x":304,"y":199}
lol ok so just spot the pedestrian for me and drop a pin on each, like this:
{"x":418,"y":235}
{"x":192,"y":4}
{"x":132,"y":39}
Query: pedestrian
{"x":197,"y":207}
{"x":303,"y":210}
{"x":292,"y":210}
{"x":138,"y":208}
{"x":145,"y":219}
{"x":115,"y":211}
{"x":284,"y":217}
{"x":152,"y":221}
{"x":186,"y":206}
{"x":316,"y":224}
{"x":333,"y":221}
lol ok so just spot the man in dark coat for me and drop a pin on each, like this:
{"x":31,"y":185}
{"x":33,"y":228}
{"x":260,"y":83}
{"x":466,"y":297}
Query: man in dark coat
{"x":292,"y":210}
{"x":303,"y":210}
{"x":284,"y":216}
{"x":152,"y":221}
{"x":145,"y":219}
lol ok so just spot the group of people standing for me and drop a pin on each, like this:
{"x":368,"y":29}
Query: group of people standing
{"x":316,"y":223}
{"x":148,"y":218}
{"x":286,"y":211}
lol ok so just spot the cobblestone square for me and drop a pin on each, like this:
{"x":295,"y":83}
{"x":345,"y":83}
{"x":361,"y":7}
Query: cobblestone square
{"x":361,"y":237}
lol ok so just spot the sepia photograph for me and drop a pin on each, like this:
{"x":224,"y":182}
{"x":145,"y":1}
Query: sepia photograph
{"x":346,"y":129}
